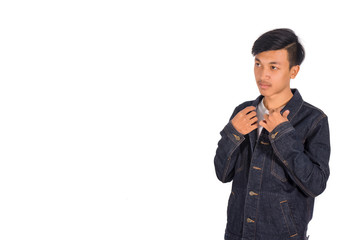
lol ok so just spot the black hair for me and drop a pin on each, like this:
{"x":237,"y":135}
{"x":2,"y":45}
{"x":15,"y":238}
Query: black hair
{"x":282,"y":38}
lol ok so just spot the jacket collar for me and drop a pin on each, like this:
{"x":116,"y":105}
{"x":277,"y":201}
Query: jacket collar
{"x":294,"y":104}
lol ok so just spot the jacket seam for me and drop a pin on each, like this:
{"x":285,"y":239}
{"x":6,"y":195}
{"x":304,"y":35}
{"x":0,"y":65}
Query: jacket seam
{"x":287,"y":130}
{"x":273,"y":172}
{"x":314,"y":126}
{"x":229,"y":158}
{"x":302,"y":102}
{"x":298,"y":181}
{"x":258,"y":201}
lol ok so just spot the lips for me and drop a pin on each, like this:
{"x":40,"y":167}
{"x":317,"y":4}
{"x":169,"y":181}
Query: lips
{"x":264,"y":85}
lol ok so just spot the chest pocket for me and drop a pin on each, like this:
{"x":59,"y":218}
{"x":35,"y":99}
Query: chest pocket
{"x":277,"y":169}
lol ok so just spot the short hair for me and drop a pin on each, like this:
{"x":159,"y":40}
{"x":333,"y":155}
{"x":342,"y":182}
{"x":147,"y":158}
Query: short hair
{"x":282,"y":38}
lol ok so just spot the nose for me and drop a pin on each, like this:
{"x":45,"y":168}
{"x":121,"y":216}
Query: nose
{"x":265,"y":74}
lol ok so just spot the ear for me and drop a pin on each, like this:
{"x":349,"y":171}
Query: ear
{"x":294,"y":71}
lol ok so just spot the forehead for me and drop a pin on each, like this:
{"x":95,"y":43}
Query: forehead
{"x":273,"y":56}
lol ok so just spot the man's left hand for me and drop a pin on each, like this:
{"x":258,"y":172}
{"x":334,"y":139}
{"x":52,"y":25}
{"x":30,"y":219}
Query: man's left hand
{"x":272,"y":120}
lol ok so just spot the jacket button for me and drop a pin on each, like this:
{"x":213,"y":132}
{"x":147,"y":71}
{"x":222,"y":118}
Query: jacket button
{"x":274,"y":135}
{"x":251,"y":193}
{"x":249,"y":220}
{"x":236,"y":137}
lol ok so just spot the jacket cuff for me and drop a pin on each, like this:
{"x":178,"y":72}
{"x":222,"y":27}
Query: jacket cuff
{"x":233,"y":134}
{"x":280,"y":130}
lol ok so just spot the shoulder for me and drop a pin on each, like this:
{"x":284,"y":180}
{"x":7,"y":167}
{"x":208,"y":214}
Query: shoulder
{"x":312,"y":110}
{"x":312,"y":117}
{"x":316,"y":123}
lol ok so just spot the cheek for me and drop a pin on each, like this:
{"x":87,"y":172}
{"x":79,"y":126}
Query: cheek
{"x":257,"y":73}
{"x":281,"y":79}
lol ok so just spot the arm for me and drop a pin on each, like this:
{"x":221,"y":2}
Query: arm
{"x":306,"y":163}
{"x":228,"y":146}
{"x":232,"y":134}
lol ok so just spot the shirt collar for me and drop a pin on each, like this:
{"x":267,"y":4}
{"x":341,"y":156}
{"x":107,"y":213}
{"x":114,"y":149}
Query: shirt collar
{"x":262,"y":107}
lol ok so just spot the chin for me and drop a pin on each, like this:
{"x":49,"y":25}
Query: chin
{"x":265,"y":93}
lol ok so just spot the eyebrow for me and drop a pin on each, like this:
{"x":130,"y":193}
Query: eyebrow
{"x":256,"y":59}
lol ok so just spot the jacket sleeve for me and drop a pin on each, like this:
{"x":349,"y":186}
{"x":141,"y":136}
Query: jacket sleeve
{"x":228,"y":147}
{"x":307,"y":163}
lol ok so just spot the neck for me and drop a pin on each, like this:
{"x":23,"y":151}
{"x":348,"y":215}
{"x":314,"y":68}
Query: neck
{"x":277,"y":101}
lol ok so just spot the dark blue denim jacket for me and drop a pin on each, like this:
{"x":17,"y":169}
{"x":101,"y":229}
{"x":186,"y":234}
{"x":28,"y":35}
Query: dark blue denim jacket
{"x":276,"y":176}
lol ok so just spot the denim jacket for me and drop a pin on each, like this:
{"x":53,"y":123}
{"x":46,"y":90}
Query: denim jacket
{"x":277,"y":175}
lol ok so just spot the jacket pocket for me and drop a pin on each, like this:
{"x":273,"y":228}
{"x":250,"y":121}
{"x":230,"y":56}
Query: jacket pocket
{"x":288,"y":219}
{"x":277,"y":169}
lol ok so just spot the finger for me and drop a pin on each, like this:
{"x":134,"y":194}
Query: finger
{"x":286,"y":113}
{"x":254,"y":120}
{"x":262,"y":123}
{"x":248,"y":109}
{"x":251,"y":115}
{"x":244,"y":112}
{"x":254,"y":126}
{"x":266,"y":117}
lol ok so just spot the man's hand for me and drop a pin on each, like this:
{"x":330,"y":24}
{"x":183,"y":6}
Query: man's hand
{"x":273,"y":119}
{"x":245,"y":121}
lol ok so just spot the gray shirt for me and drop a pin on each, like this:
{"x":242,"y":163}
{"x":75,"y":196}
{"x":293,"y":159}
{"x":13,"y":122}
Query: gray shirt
{"x":260,"y":111}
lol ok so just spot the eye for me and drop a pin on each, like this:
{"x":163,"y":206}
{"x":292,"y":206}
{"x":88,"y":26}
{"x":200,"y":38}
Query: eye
{"x":257,"y":64}
{"x":274,"y":68}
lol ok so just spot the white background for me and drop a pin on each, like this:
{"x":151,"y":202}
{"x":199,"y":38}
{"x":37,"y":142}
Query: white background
{"x":110,"y":112}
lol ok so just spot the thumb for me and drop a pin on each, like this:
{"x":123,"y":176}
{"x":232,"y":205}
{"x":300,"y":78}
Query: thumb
{"x":286,"y":113}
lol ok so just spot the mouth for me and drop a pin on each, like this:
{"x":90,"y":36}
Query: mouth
{"x":264,"y":85}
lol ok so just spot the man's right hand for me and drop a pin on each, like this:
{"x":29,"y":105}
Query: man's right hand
{"x":245,"y":121}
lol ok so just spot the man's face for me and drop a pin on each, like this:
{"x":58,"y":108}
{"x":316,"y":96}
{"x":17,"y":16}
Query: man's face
{"x":272,"y":72}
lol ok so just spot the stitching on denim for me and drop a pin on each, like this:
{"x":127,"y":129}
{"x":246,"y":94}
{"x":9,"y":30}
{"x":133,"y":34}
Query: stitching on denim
{"x":312,"y":107}
{"x":273,"y":172}
{"x":260,"y":192}
{"x":284,"y":216}
{"x":284,"y":132}
{"x":291,"y":216}
{"x":297,"y":110}
{"x":295,"y":178}
{"x":314,"y":126}
{"x":229,"y":158}
{"x":278,"y":126}
{"x":252,"y":157}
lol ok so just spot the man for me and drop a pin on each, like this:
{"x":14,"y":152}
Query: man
{"x":275,"y":149}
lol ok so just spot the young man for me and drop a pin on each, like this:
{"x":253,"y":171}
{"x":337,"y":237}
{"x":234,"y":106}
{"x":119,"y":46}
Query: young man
{"x":275,"y":149}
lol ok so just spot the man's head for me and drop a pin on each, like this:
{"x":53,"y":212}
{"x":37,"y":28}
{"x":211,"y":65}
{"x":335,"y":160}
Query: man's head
{"x":277,"y":39}
{"x":278,"y":55}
